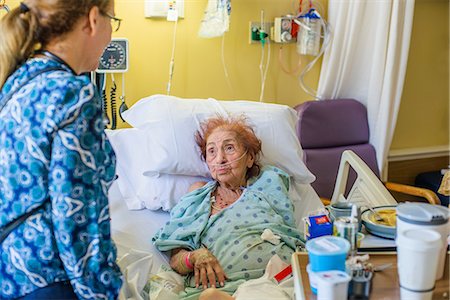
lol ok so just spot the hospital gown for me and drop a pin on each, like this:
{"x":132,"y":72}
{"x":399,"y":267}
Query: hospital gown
{"x":233,"y":235}
{"x":53,"y":150}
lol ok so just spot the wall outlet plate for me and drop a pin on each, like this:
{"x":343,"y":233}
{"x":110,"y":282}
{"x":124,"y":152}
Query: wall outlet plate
{"x":254,"y":29}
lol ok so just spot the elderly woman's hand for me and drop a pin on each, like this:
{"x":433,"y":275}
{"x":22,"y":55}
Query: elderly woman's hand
{"x":206,"y":268}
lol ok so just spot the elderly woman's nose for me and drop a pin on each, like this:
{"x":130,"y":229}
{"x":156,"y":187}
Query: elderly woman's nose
{"x":220,"y":155}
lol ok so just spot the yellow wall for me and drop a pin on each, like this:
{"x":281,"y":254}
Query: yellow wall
{"x":198,"y":62}
{"x":424,"y":112}
{"x":423,"y":119}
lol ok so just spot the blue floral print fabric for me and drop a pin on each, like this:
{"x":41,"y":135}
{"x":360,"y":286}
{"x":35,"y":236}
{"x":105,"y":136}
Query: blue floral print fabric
{"x":233,"y":235}
{"x":53,"y":149}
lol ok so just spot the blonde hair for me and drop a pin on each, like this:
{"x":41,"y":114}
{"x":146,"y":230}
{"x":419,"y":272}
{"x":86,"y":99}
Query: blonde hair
{"x":34,"y":24}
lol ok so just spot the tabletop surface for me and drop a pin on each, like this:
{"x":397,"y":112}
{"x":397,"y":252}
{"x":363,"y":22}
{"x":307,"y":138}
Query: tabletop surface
{"x":385,"y":283}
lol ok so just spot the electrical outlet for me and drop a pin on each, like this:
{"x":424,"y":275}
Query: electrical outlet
{"x":255,"y":29}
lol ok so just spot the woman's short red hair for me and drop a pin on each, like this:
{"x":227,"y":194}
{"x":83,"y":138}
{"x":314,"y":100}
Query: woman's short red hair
{"x":244,"y":133}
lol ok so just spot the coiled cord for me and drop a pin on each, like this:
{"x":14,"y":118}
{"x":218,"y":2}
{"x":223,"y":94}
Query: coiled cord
{"x":102,"y":81}
{"x":113,"y":104}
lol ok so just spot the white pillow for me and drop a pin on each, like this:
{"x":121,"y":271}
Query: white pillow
{"x":170,"y":124}
{"x":156,"y":191}
{"x":162,"y":191}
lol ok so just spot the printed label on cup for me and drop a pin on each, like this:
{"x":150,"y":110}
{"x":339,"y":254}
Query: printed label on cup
{"x":327,"y":245}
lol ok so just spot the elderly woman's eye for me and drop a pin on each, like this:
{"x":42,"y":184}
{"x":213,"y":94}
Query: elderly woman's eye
{"x":211,"y":151}
{"x":229,"y":148}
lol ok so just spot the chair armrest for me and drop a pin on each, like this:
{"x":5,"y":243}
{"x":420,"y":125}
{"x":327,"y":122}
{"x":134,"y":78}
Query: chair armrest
{"x":414,"y":191}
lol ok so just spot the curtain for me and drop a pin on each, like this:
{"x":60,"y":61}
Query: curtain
{"x":367,"y":60}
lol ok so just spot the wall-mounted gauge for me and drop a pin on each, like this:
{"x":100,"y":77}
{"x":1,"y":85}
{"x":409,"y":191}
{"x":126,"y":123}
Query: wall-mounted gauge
{"x":115,"y":57}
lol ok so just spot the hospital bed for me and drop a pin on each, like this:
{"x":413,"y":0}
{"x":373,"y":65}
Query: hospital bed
{"x":157,"y":161}
{"x":132,"y":231}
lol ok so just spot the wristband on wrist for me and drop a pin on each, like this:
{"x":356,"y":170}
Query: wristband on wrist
{"x":187,"y":262}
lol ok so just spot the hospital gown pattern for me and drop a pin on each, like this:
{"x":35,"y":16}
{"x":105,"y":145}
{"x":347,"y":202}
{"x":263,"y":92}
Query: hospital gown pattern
{"x":52,"y":147}
{"x":234,"y":234}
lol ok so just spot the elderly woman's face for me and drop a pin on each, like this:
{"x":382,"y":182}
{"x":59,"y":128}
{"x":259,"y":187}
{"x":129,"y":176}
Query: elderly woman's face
{"x":227,"y":159}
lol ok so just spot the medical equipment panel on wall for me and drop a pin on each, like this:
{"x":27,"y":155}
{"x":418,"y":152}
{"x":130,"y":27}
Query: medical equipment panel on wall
{"x":113,"y":60}
{"x":115,"y":57}
{"x":160,"y":8}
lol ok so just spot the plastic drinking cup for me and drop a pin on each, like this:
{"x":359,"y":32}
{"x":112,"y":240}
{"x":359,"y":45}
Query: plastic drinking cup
{"x":417,"y":261}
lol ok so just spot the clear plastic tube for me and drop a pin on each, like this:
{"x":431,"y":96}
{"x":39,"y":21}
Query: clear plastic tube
{"x":172,"y":59}
{"x":230,"y":162}
{"x":326,"y":40}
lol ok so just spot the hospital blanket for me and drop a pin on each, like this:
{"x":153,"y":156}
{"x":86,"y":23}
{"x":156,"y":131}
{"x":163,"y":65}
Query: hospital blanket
{"x":233,"y":235}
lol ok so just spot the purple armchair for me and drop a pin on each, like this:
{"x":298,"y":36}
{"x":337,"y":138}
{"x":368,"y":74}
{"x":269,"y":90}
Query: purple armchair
{"x":328,"y":127}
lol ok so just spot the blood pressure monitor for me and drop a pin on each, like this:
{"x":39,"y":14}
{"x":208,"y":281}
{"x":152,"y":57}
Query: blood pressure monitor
{"x":115,"y":57}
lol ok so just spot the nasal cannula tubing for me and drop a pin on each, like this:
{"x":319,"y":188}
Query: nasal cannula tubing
{"x":229,"y":163}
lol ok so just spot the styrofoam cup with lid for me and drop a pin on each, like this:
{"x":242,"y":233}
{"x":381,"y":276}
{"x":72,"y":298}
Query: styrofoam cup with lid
{"x":426,"y":216}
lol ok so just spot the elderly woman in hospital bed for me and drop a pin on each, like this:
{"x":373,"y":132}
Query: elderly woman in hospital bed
{"x":215,"y":233}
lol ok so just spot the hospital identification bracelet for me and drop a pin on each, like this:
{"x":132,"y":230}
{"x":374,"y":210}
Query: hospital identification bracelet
{"x":187,"y":262}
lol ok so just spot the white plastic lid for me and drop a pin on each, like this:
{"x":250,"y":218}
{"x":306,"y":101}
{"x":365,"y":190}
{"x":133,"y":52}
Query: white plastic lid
{"x":422,"y":213}
{"x":328,"y":245}
{"x":332,"y":277}
{"x":419,"y":239}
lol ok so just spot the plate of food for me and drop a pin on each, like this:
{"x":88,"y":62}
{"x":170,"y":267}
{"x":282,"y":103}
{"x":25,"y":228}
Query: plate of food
{"x":383,"y":223}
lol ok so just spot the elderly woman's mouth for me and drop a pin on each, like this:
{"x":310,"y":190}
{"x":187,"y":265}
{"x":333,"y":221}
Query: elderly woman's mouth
{"x":223,"y":169}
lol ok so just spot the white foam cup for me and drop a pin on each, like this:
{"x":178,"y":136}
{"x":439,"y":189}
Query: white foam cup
{"x":410,"y":295}
{"x":413,"y":216}
{"x":332,"y":285}
{"x":417,"y":261}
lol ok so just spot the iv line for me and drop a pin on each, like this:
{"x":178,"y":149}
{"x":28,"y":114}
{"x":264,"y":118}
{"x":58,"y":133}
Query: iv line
{"x":225,"y":70}
{"x":326,"y":40}
{"x":282,"y":65}
{"x":229,"y":163}
{"x":263,"y":71}
{"x":172,"y":59}
{"x":264,"y":75}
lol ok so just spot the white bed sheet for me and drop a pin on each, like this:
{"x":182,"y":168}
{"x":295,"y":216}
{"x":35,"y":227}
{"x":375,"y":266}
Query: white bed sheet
{"x":134,"y":229}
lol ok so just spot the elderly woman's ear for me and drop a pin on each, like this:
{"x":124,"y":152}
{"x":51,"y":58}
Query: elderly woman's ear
{"x":250,"y":160}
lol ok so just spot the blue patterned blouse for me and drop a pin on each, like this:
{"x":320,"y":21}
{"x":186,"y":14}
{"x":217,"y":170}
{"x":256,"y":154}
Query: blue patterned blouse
{"x":53,"y":148}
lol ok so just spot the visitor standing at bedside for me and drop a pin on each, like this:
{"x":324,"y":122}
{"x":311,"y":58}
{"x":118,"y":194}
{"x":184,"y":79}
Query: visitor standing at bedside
{"x":215,"y":232}
{"x":56,"y":164}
